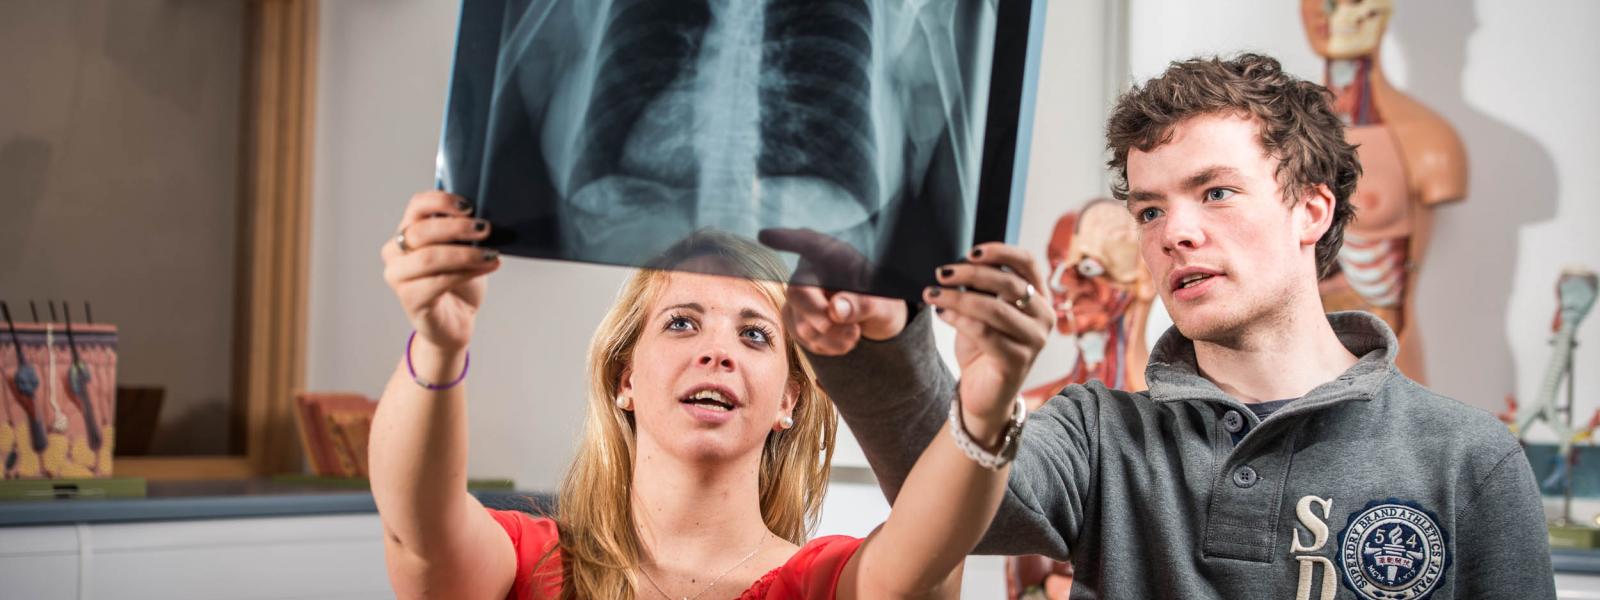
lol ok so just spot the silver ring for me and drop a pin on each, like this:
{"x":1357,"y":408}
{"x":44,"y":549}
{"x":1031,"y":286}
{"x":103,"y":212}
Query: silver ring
{"x":400,"y":241}
{"x":1027,"y":296}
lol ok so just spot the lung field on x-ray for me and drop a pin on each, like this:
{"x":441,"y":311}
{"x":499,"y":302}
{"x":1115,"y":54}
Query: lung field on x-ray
{"x":730,"y":114}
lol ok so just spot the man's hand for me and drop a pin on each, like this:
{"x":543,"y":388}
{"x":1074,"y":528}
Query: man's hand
{"x":828,"y":322}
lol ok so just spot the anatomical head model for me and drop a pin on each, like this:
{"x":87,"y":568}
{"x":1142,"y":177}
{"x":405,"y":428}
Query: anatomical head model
{"x":1346,"y":29}
{"x":1102,"y":296}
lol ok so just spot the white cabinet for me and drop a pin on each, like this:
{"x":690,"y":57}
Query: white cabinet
{"x":39,"y":563}
{"x":332,"y":557}
{"x":1572,"y":586}
{"x":336,"y":557}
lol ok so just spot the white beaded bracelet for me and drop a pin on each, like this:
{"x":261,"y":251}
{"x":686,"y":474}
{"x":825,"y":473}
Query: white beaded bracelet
{"x":1009,"y":438}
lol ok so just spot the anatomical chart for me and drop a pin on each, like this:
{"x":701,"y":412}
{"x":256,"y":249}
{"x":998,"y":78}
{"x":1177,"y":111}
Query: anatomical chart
{"x":605,"y":131}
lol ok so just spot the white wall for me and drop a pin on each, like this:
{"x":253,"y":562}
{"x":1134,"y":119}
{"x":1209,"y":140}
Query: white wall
{"x":1517,"y":81}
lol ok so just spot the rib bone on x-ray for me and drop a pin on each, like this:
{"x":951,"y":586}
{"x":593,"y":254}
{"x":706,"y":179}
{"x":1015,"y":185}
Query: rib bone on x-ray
{"x":651,"y":119}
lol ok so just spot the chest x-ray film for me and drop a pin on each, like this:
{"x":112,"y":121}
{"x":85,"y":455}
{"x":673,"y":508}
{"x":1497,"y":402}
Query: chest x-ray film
{"x":607,"y":130}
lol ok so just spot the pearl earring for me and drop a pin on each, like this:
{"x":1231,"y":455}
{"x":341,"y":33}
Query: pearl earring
{"x":623,"y":402}
{"x":786,"y":421}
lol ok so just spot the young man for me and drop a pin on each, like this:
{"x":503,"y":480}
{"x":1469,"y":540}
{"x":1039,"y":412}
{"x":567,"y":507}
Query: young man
{"x":1278,"y":452}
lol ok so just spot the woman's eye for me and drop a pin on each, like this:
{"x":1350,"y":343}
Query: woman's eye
{"x":1215,"y":194}
{"x":680,"y":324}
{"x":1148,"y":214}
{"x":758,"y":336}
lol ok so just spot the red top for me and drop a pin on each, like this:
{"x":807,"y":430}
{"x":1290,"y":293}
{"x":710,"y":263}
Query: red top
{"x":813,"y":572}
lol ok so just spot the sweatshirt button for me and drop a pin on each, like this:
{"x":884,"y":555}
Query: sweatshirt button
{"x":1232,"y":421}
{"x":1245,"y":476}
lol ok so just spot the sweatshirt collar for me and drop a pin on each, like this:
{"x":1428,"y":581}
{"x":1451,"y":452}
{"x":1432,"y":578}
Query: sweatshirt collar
{"x":1174,"y":373}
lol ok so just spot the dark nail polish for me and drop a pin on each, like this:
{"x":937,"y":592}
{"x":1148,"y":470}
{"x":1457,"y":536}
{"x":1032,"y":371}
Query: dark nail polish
{"x":977,"y":252}
{"x":933,"y":292}
{"x":946,"y":272}
{"x":464,"y":206}
{"x":491,"y":255}
{"x":480,"y":225}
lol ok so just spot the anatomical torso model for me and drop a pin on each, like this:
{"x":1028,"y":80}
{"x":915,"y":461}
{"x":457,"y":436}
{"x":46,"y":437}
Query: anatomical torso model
{"x":1411,"y":160}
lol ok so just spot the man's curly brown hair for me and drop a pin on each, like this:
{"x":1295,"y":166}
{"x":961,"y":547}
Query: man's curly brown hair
{"x":1294,"y":116}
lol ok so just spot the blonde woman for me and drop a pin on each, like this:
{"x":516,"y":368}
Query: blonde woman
{"x":705,"y":454}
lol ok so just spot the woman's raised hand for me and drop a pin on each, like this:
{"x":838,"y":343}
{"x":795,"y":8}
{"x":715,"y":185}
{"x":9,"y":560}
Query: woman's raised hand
{"x":436,"y":535}
{"x":439,"y":281}
{"x":1002,"y":314}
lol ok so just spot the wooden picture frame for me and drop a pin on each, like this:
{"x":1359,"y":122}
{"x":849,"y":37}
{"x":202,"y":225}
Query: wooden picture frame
{"x":274,"y":229}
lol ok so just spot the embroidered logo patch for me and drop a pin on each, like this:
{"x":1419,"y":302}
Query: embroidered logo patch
{"x":1393,"y":550}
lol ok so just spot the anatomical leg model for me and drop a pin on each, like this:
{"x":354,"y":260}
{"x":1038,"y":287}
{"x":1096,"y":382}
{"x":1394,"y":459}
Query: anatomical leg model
{"x":1575,"y":295}
{"x":1412,"y":161}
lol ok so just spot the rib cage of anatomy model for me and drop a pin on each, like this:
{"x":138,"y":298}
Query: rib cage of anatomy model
{"x":1376,"y":270}
{"x":746,"y":114}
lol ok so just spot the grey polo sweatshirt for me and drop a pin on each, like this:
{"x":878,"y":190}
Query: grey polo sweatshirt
{"x":1370,"y":486}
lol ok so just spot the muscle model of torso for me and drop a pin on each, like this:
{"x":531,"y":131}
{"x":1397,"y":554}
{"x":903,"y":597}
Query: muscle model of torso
{"x":1102,"y":294}
{"x":1412,"y":161}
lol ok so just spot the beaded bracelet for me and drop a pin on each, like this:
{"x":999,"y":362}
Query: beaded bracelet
{"x":423,"y":382}
{"x":1010,"y":436}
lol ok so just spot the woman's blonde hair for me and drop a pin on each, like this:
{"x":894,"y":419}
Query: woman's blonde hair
{"x":600,"y":547}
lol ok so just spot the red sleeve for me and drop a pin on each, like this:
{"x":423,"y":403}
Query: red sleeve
{"x":813,"y":572}
{"x":531,"y":538}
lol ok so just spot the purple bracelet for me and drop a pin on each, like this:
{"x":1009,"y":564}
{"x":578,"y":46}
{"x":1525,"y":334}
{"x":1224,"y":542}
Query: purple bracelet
{"x":423,"y":382}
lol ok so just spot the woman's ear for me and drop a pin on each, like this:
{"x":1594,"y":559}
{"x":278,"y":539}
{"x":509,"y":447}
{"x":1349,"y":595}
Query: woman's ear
{"x":786,"y":405}
{"x":1315,"y":214}
{"x":625,"y":382}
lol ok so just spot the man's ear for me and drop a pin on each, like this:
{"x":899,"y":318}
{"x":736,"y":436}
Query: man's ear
{"x":1315,"y":213}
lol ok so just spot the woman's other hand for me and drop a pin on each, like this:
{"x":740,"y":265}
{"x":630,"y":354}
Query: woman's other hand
{"x":439,"y":278}
{"x":1001,"y":310}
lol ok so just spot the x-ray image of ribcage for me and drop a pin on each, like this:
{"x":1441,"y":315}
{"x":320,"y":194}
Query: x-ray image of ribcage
{"x":612,"y":129}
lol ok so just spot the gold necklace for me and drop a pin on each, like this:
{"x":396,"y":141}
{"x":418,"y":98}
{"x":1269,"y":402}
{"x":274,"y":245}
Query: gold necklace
{"x":713,"y":583}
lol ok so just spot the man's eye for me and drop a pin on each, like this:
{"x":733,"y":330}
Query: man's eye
{"x":1148,"y":214}
{"x":1215,"y":194}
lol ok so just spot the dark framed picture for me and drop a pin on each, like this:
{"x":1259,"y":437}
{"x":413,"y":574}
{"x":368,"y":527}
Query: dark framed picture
{"x":607,"y":131}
